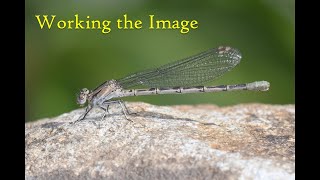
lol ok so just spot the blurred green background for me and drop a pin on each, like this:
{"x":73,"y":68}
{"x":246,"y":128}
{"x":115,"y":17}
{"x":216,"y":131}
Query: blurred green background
{"x":61,"y":62}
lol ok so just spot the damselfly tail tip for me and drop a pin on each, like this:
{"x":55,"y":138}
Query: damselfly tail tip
{"x":258,"y":86}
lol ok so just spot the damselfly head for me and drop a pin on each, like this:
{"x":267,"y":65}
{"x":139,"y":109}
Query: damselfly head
{"x":82,"y":97}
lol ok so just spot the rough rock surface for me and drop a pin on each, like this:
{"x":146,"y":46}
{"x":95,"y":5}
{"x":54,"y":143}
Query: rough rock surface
{"x":247,"y":141}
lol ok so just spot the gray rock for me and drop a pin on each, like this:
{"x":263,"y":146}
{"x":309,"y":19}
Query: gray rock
{"x":249,"y":141}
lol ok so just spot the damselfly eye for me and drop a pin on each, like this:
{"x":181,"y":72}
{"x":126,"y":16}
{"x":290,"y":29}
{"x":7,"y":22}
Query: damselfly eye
{"x":82,"y":97}
{"x":84,"y":91}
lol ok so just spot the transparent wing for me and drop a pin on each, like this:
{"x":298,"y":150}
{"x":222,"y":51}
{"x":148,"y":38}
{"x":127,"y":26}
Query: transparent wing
{"x":191,"y":71}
